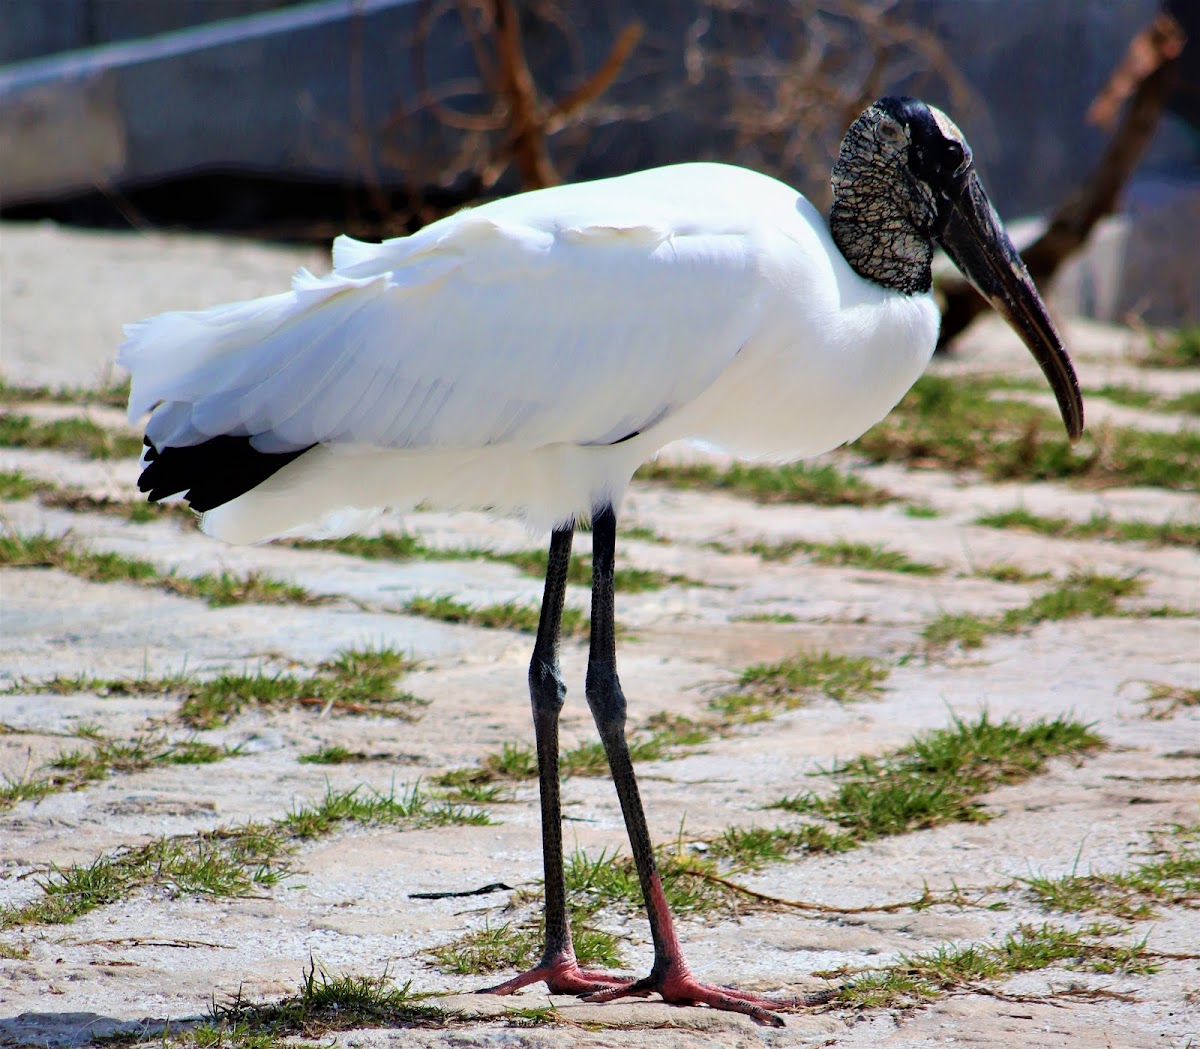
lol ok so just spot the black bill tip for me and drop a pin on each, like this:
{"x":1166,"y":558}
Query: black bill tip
{"x":972,"y":235}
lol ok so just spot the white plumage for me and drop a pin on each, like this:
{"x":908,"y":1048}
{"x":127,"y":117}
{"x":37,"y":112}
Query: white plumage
{"x":493,"y":359}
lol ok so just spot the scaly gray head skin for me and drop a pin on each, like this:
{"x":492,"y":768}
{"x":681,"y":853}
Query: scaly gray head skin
{"x":905,"y":181}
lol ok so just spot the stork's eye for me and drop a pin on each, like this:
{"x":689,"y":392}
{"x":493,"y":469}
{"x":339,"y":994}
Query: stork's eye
{"x":955,"y":155}
{"x":891,"y":132}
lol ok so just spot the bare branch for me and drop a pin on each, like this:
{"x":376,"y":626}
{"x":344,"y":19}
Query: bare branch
{"x":1071,"y":225}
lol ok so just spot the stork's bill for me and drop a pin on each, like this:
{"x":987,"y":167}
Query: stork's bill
{"x":975,"y":240}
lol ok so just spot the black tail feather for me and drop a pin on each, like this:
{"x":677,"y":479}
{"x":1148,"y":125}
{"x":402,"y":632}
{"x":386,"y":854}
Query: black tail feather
{"x":210,"y":473}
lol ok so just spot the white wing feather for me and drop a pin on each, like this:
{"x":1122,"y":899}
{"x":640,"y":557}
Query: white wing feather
{"x":572,"y":315}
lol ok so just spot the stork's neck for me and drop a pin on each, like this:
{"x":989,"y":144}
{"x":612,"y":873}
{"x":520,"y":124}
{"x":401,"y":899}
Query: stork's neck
{"x":881,"y":219}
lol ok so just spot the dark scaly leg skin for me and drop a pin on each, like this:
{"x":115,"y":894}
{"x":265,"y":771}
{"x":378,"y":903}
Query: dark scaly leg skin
{"x":558,"y":967}
{"x":670,"y":975}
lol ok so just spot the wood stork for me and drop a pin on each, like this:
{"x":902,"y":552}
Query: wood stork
{"x":527,"y":355}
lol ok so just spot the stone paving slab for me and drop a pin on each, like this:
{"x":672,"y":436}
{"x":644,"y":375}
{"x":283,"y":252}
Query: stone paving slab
{"x":350,"y":905}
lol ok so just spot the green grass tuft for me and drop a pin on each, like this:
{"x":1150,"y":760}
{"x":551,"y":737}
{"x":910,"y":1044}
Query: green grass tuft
{"x":1080,"y":594}
{"x":44,"y":551}
{"x":76,"y":434}
{"x":332,"y":755}
{"x":921,"y":978}
{"x":921,"y":510}
{"x":767,"y":617}
{"x":413,"y":808}
{"x":804,"y":482}
{"x":1177,"y":349}
{"x":327,"y":1003}
{"x":626,"y":580}
{"x":232,"y":862}
{"x":1171,"y":877}
{"x":1163,"y":700}
{"x":113,"y":395}
{"x":1098,"y":526}
{"x":390,"y":546}
{"x":937,"y":778}
{"x":227,"y":862}
{"x":962,"y":423}
{"x":792,"y":682}
{"x":355,"y":681}
{"x":405,"y":547}
{"x":1005,"y":572}
{"x":518,"y":761}
{"x":15,"y":485}
{"x":101,"y":756}
{"x":842,"y":552}
{"x":507,"y":616}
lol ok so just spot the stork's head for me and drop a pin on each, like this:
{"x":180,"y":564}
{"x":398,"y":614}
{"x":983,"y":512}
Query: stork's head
{"x":905,"y":181}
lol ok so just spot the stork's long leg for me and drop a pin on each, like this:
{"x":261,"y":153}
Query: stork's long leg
{"x":558,"y":966}
{"x":670,"y":975}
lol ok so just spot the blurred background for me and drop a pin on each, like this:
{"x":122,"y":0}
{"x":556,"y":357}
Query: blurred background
{"x":301,"y":120}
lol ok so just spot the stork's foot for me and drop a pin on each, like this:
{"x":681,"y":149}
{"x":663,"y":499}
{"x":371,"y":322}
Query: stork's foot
{"x":562,"y":975}
{"x":678,"y":986}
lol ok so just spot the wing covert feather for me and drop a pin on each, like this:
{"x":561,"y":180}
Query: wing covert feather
{"x":481,"y":332}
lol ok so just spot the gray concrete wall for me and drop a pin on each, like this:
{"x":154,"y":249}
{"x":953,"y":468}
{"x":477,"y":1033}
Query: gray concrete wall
{"x":121,"y":94}
{"x":278,"y":96}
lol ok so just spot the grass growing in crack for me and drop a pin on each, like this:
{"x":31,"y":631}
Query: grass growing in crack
{"x":1162,"y":700}
{"x":232,"y":862}
{"x":1080,"y":594}
{"x":45,"y":551}
{"x":15,"y":485}
{"x":921,"y":510}
{"x":821,"y":484}
{"x":592,"y":884}
{"x":228,"y":862}
{"x":75,"y":434}
{"x":842,"y":552}
{"x":965,"y":629}
{"x":515,"y":944}
{"x":135,"y":511}
{"x":752,"y":848}
{"x":1005,"y":572}
{"x":924,"y":977}
{"x":626,"y":580}
{"x":1170,"y":878}
{"x":389,"y":546}
{"x":400,"y":546}
{"x":1125,"y":395}
{"x":414,"y":808}
{"x":469,"y":792}
{"x":494,"y":948}
{"x":794,"y":681}
{"x":355,"y":681}
{"x":1098,"y":526}
{"x":327,"y":1003}
{"x":767,"y":617}
{"x":1176,"y":349}
{"x":646,"y":535}
{"x":114,"y":395}
{"x":332,"y":755}
{"x":959,"y":423}
{"x":510,"y":615}
{"x":518,"y":761}
{"x":937,"y":778}
{"x":1187,"y":403}
{"x":101,"y":756}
